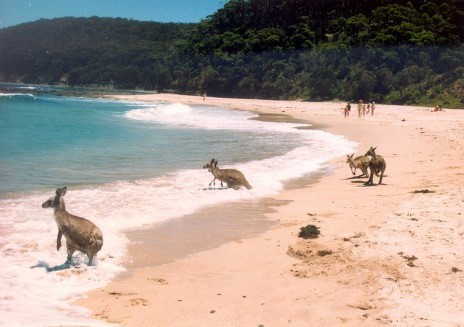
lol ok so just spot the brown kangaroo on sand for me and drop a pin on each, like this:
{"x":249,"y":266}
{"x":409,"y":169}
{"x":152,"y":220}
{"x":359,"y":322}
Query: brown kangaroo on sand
{"x":361,"y":162}
{"x":81,"y":234}
{"x":377,"y":164}
{"x":232,"y":177}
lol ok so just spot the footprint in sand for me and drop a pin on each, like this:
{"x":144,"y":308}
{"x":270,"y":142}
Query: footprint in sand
{"x":138,"y":301}
{"x":159,"y":280}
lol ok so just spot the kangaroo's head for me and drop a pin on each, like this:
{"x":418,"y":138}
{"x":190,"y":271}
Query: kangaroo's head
{"x":349,"y":157}
{"x":55,"y":201}
{"x":210,"y":164}
{"x":371,"y":152}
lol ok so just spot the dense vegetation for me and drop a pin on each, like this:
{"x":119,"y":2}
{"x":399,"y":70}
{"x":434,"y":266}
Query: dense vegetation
{"x":387,"y":51}
{"x":392,"y":51}
{"x":93,"y":51}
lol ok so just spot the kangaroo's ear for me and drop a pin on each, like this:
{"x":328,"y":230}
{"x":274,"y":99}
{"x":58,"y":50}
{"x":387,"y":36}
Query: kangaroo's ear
{"x":63,"y":190}
{"x":58,"y":191}
{"x":374,"y":149}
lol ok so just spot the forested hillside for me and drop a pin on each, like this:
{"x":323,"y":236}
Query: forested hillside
{"x":122,"y":53}
{"x":387,"y":51}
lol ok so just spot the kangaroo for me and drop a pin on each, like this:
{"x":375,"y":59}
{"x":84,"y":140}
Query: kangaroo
{"x":81,"y":234}
{"x":376,"y":165}
{"x":232,"y":177}
{"x":361,"y":162}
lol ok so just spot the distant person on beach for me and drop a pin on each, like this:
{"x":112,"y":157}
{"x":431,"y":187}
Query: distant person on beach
{"x":368,"y":108}
{"x":438,"y":108}
{"x":204,"y":96}
{"x":360,"y":105}
{"x":347,"y":110}
{"x":372,"y":108}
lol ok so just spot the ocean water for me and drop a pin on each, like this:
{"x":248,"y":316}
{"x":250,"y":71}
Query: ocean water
{"x":127,"y":165}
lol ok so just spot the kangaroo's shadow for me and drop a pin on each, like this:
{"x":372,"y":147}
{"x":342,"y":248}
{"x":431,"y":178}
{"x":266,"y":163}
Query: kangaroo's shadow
{"x":355,"y":179}
{"x":46,"y":266}
{"x":214,"y":188}
{"x":372,"y":185}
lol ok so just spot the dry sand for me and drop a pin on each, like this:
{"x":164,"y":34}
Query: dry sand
{"x":388,"y":255}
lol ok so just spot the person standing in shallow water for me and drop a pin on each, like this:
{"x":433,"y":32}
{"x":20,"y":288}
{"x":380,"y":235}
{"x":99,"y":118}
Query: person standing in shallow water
{"x":360,"y":107}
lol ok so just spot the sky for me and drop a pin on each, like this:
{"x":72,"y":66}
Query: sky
{"x":13,"y":12}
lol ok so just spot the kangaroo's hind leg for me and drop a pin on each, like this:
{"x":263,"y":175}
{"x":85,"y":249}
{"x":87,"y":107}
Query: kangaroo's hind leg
{"x":70,"y":249}
{"x":371,"y":177}
{"x":90,"y":255}
{"x":365,"y":171}
{"x":381,"y":173}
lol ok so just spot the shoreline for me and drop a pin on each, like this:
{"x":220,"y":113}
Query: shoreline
{"x":206,"y":229}
{"x":353,"y":273}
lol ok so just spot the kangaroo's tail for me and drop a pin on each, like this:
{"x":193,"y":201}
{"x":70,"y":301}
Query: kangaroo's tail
{"x":247,"y":185}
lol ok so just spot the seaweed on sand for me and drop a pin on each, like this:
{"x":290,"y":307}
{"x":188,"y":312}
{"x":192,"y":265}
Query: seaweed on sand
{"x":309,"y":231}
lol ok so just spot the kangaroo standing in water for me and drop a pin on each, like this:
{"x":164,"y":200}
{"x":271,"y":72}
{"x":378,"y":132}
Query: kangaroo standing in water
{"x":377,"y":164}
{"x":81,"y":234}
{"x":232,"y":177}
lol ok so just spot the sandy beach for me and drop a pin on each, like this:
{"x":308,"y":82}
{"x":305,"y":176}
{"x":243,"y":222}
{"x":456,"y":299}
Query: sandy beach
{"x":387,"y":255}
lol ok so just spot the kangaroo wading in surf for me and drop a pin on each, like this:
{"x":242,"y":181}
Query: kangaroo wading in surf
{"x":81,"y":234}
{"x":232,"y":177}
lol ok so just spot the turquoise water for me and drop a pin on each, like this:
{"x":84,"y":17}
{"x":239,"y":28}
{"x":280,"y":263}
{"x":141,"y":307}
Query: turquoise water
{"x":48,"y":140}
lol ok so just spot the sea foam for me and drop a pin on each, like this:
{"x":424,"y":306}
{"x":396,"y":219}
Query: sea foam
{"x":204,"y":117}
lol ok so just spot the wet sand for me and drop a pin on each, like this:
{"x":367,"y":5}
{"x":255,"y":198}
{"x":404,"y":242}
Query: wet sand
{"x":206,"y":229}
